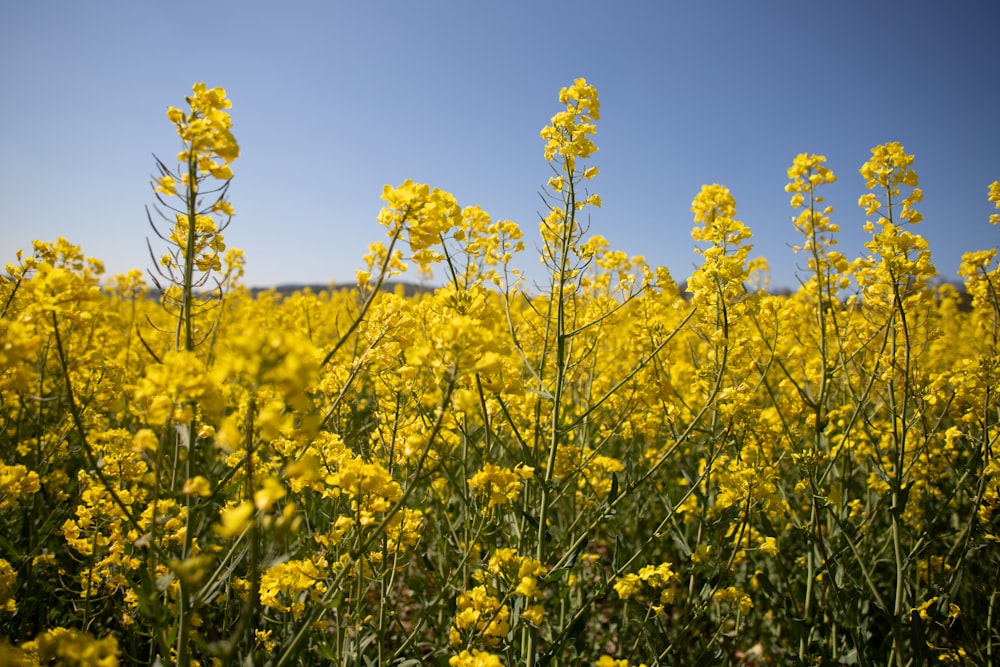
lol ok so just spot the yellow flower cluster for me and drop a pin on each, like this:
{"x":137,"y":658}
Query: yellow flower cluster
{"x":480,"y":617}
{"x":475,"y":658}
{"x":64,"y":646}
{"x":719,"y":284}
{"x":16,"y":481}
{"x":567,"y":139}
{"x":994,"y":198}
{"x":19,"y":343}
{"x":743,"y":483}
{"x":291,"y":586}
{"x":594,"y":472}
{"x":8,"y":579}
{"x":501,"y":486}
{"x":206,"y":131}
{"x":734,"y":598}
{"x":651,"y":584}
{"x":828,"y":269}
{"x":569,"y":134}
{"x":518,"y":572}
{"x":900,"y":260}
{"x":209,"y":244}
{"x":608,"y":661}
{"x":171,"y":390}
{"x":888,"y":170}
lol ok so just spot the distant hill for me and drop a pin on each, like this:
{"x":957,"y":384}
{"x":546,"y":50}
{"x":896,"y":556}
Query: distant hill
{"x":409,"y":289}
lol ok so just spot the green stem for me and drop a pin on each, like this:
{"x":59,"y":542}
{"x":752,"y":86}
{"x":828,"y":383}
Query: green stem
{"x":560,"y":277}
{"x":186,"y":326}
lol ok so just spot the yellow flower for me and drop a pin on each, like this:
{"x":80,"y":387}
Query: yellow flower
{"x":223,"y":172}
{"x":223,"y":207}
{"x":570,"y":130}
{"x":235,"y":519}
{"x":734,"y":597}
{"x":16,"y":481}
{"x":8,"y":581}
{"x":700,"y":555}
{"x":534,"y":614}
{"x":192,"y":570}
{"x":167,"y":185}
{"x":499,"y":485}
{"x":650,"y":585}
{"x":264,"y":637}
{"x":63,"y":646}
{"x":770,"y":546}
{"x":480,"y":613}
{"x":528,"y":587}
{"x":490,"y":362}
{"x":270,"y":492}
{"x":922,"y":608}
{"x":475,"y":658}
{"x":628,"y":586}
{"x":994,"y":198}
{"x":282,"y":585}
{"x":197,"y":486}
{"x":608,"y":661}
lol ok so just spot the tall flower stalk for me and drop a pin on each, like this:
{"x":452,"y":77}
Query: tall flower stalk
{"x":196,"y":195}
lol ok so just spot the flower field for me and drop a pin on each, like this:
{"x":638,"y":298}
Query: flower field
{"x":608,"y":470}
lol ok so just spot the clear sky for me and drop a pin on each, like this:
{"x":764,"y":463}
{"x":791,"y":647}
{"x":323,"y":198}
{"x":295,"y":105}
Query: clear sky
{"x":332,"y":100}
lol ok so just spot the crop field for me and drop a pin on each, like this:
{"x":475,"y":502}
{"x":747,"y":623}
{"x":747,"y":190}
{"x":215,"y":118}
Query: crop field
{"x":609,"y":470}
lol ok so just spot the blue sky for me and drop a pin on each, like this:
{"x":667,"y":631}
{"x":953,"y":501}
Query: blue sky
{"x":332,"y":100}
